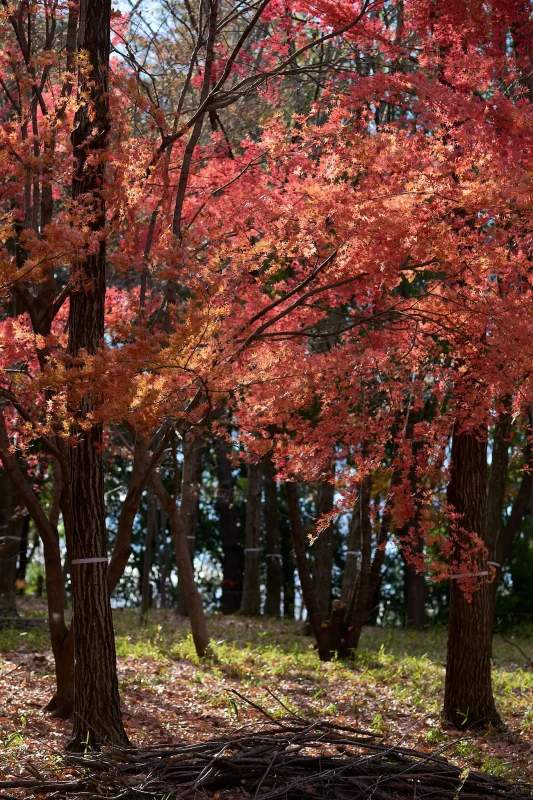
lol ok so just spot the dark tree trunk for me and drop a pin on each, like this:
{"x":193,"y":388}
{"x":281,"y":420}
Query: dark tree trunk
{"x":251,"y":591}
{"x":323,"y":551}
{"x":163,"y":555}
{"x":231,"y":550}
{"x":274,"y":578}
{"x":415,"y":597}
{"x":11,"y":521}
{"x":191,"y":481}
{"x":321,"y":632}
{"x":97,"y":717}
{"x":288,"y":569}
{"x":468,"y":697}
{"x":151,"y":521}
{"x":24,"y":557}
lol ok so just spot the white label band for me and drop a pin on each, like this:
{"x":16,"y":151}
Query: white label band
{"x":89,"y":560}
{"x":468,"y":575}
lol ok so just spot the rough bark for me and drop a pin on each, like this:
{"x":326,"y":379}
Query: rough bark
{"x":274,"y":577}
{"x":323,"y":551}
{"x":251,"y":591}
{"x":97,"y":717}
{"x":231,"y":550}
{"x":320,"y":631}
{"x":288,"y":567}
{"x":468,"y":697}
{"x":191,"y":481}
{"x":200,"y":633}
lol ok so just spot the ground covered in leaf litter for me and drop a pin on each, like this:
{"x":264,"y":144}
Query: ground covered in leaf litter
{"x":394,"y":688}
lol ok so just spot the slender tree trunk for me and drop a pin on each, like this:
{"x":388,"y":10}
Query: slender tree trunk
{"x":359,"y":521}
{"x":321,"y":633}
{"x":200,"y":633}
{"x":232,"y":566}
{"x":163,"y":555}
{"x":23,"y":560}
{"x":151,"y":521}
{"x":273,"y":540}
{"x":97,"y":717}
{"x":288,"y":570}
{"x":468,"y":697}
{"x":415,"y":597}
{"x":11,"y":521}
{"x":251,"y":592}
{"x":323,"y":551}
{"x":190,"y":501}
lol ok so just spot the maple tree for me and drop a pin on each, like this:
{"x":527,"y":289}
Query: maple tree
{"x":315,"y":284}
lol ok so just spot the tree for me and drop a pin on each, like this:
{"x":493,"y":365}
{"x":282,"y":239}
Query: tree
{"x":251,"y":589}
{"x":468,"y":697}
{"x":97,"y":717}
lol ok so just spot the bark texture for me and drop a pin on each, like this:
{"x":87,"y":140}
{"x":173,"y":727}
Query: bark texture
{"x":97,"y":717}
{"x":231,"y":550}
{"x":251,"y":592}
{"x":274,"y":576}
{"x":468,"y":697}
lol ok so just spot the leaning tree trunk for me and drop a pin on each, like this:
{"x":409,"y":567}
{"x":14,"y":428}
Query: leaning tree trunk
{"x":97,"y":717}
{"x":198,"y":622}
{"x":274,"y":577}
{"x":321,"y":632}
{"x":231,"y":550}
{"x":251,"y":592}
{"x":191,"y":480}
{"x":11,"y":522}
{"x":323,"y":551}
{"x":468,"y":698}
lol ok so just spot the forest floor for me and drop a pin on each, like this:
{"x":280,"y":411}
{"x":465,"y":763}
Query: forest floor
{"x":394,"y":687}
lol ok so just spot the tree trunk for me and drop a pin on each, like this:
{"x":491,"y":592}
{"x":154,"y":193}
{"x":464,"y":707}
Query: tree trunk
{"x":231,"y":550}
{"x":191,"y":481}
{"x":415,"y":597}
{"x":288,"y":570}
{"x":359,"y":521}
{"x":251,"y":592}
{"x":468,"y":698}
{"x":97,"y":717}
{"x":323,"y":551}
{"x":273,"y":540}
{"x":11,"y":521}
{"x":163,"y":555}
{"x":197,"y":619}
{"x":321,"y":632}
{"x":151,"y":521}
{"x":62,"y":703}
{"x":23,"y":555}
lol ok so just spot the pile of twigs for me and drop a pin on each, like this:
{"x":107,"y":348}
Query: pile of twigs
{"x":294,"y":758}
